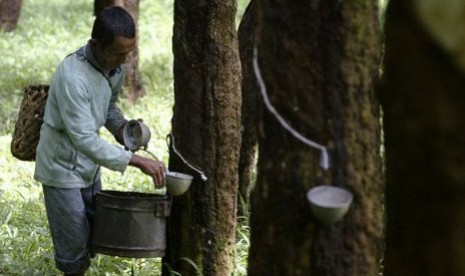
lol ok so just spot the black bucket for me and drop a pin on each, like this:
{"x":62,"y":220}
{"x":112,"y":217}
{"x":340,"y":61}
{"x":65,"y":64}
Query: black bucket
{"x":130,"y":224}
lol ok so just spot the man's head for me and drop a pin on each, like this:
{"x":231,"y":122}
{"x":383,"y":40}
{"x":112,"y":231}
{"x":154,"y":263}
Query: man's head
{"x":113,"y":37}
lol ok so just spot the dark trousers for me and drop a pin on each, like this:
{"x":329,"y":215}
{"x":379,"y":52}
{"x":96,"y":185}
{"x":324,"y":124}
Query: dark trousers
{"x":70,"y":214}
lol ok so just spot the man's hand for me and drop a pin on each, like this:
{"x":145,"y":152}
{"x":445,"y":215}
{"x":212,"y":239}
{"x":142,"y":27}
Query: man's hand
{"x":155,"y":169}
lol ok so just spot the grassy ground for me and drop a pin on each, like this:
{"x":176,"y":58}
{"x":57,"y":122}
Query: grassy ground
{"x":47,"y":31}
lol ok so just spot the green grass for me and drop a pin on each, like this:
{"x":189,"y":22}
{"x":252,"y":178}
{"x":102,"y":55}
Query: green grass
{"x":47,"y":31}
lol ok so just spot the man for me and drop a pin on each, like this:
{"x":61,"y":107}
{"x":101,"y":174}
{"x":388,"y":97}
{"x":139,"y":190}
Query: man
{"x":81,"y":100}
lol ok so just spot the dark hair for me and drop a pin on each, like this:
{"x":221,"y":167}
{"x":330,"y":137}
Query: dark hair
{"x":111,"y":22}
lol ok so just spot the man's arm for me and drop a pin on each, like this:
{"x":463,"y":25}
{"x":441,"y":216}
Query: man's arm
{"x":115,"y":119}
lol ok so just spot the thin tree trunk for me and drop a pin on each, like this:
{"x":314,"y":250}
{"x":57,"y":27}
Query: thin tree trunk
{"x":206,"y":127}
{"x":9,"y":14}
{"x":133,"y":78}
{"x":320,"y":62}
{"x":424,"y":119}
{"x":99,"y":5}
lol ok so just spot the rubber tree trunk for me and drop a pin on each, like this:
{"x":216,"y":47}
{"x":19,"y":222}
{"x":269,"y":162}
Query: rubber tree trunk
{"x":319,"y":61}
{"x":133,"y":79}
{"x":206,"y":130}
{"x":9,"y":14}
{"x":250,"y":107}
{"x":424,"y":121}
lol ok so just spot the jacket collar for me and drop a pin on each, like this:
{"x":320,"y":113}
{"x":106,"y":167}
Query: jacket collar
{"x":86,"y":52}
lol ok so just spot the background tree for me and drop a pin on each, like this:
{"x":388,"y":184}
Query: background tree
{"x":9,"y":14}
{"x":99,"y":5}
{"x":424,"y":118}
{"x":206,"y":127}
{"x":319,"y":61}
{"x":132,"y":77}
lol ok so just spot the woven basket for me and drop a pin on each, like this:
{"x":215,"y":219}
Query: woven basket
{"x":30,"y":117}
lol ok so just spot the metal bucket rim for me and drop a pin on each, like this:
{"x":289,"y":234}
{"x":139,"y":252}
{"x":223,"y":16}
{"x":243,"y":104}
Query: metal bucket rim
{"x":130,"y":195}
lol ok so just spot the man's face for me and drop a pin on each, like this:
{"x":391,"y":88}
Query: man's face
{"x":114,"y":54}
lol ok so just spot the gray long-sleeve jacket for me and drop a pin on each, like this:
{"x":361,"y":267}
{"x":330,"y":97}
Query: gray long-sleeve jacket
{"x":81,"y":100}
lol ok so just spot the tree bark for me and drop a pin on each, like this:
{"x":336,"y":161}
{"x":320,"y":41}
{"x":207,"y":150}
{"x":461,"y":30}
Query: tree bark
{"x":9,"y":14}
{"x":250,"y":107}
{"x":424,"y":118}
{"x":319,"y":60}
{"x":99,"y":5}
{"x":206,"y":127}
{"x":133,"y":78}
